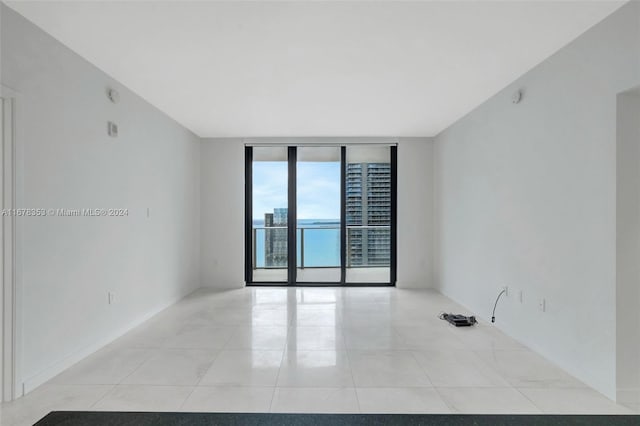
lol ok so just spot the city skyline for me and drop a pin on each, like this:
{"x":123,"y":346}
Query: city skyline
{"x":368,"y":213}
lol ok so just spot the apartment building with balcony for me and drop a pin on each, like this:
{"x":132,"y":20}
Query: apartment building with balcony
{"x":368,"y":214}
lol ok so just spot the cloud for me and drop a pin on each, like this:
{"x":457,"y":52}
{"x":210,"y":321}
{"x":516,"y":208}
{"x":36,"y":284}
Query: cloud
{"x":318,"y":189}
{"x":269,"y":187}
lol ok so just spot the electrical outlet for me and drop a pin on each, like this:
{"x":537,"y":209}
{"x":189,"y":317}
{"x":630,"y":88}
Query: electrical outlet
{"x":542,"y":305}
{"x":112,"y":298}
{"x":506,"y":290}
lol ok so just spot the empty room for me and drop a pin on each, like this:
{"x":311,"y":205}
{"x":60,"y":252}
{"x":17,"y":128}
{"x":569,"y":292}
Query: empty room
{"x":320,"y":212}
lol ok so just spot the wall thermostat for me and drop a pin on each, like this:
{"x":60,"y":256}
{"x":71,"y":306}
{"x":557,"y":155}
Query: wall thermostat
{"x":516,"y":97}
{"x":113,"y":95}
{"x":112,"y":129}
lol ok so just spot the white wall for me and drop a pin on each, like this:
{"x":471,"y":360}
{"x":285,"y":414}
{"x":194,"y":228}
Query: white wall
{"x":222,"y":215}
{"x":415,"y":213}
{"x":68,"y":161}
{"x":222,"y":218}
{"x":526,"y":198}
{"x":628,"y":249}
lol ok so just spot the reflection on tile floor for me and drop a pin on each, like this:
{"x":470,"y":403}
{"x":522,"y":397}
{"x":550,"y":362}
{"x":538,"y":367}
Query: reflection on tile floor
{"x":331,"y":350}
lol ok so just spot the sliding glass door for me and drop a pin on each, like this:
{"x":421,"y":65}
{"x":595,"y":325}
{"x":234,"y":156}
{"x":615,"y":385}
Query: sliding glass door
{"x":269,"y":220}
{"x":320,"y":215}
{"x":368,"y":214}
{"x":318,"y":188}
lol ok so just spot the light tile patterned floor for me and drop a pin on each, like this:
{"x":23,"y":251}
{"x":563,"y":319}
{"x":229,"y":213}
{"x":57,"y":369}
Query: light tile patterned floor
{"x":333,"y":350}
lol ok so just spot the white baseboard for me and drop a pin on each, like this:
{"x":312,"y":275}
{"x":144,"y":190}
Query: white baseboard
{"x":414,"y":285}
{"x":58,"y":367}
{"x":226,"y":285}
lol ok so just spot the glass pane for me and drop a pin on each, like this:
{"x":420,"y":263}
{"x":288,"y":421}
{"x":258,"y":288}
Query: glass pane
{"x":318,"y":208}
{"x":368,"y":193}
{"x":269,"y":217}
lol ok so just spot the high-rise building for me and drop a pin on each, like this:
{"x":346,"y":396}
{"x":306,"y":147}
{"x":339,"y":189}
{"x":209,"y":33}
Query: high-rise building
{"x":368,"y":194}
{"x":275,"y":244}
{"x":280,"y":216}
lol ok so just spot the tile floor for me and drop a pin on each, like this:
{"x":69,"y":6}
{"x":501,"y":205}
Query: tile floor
{"x":337,"y":350}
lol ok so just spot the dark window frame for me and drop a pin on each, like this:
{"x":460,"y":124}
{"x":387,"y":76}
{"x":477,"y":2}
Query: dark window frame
{"x":292,"y":219}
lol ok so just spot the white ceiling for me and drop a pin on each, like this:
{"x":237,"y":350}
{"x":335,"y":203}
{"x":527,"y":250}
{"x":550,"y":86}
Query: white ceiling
{"x":315,"y":68}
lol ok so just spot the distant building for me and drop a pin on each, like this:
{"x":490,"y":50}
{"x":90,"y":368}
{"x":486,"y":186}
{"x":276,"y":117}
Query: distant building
{"x":368,"y":194}
{"x":275,"y":246}
{"x":280,"y":216}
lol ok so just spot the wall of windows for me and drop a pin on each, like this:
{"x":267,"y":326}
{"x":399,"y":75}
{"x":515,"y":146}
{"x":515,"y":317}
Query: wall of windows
{"x":320,"y":215}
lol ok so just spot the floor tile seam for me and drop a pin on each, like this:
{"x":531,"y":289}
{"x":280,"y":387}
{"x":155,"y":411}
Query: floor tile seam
{"x":424,"y":370}
{"x":234,"y":385}
{"x":148,"y":354}
{"x":152,"y":385}
{"x":568,"y":386}
{"x":380,"y":351}
{"x":326,"y":388}
{"x":315,"y":387}
{"x":530,"y":400}
{"x":393,"y":387}
{"x":417,"y":388}
{"x":108,"y":392}
{"x":479,"y":364}
{"x":475,"y":387}
{"x":228,"y":339}
{"x":215,"y":358}
{"x":353,"y":379}
{"x":166,"y":350}
{"x":480,"y":355}
{"x":187,"y":398}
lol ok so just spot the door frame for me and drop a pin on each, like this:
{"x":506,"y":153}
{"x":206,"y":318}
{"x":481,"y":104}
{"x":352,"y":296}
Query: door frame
{"x":10,"y":388}
{"x":292,"y":218}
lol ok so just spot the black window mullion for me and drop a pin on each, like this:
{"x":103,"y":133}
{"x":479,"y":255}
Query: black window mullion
{"x":248,"y":214}
{"x":292,"y":219}
{"x":343,"y":215}
{"x":394,"y":216}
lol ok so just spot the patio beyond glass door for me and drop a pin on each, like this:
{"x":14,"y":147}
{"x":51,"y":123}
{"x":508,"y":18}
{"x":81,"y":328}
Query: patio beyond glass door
{"x":269,"y":234}
{"x":320,"y":215}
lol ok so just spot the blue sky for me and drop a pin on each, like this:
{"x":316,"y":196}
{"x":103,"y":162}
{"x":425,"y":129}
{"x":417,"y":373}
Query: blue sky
{"x":318,"y":189}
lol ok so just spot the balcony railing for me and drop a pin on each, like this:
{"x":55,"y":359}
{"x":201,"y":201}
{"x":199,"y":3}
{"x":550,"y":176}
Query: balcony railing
{"x":319,"y":246}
